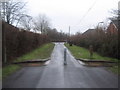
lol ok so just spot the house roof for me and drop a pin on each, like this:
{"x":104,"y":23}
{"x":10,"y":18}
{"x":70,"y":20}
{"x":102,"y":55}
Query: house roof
{"x":115,"y":22}
{"x":89,"y":31}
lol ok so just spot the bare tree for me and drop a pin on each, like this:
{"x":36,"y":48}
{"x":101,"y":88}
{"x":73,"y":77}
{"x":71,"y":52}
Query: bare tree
{"x":12,"y":10}
{"x":26,"y":22}
{"x":115,"y":15}
{"x":41,"y":23}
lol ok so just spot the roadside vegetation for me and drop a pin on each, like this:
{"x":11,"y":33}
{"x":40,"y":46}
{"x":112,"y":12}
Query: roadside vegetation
{"x":7,"y":70}
{"x":79,"y":52}
{"x":115,"y":69}
{"x":42,"y":52}
{"x":0,"y":73}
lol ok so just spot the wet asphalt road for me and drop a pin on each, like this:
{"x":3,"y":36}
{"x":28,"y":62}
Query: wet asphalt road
{"x":56,"y":75}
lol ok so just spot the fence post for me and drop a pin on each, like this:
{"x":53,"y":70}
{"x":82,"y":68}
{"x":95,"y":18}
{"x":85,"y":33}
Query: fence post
{"x":91,"y":51}
{"x":65,"y":61}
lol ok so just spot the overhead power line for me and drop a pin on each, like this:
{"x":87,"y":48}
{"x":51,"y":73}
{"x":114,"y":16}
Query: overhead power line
{"x":87,"y":12}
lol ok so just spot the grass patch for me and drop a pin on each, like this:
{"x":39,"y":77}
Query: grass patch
{"x":79,"y":52}
{"x":6,"y":71}
{"x":42,"y":52}
{"x":0,"y":73}
{"x":115,"y":69}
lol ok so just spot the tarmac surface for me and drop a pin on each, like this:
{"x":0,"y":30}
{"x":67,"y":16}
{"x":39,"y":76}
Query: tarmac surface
{"x":57,"y":75}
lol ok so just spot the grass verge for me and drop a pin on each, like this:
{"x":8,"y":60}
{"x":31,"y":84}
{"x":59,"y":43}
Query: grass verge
{"x":42,"y":52}
{"x":0,"y":73}
{"x":115,"y":69}
{"x":79,"y":52}
{"x":7,"y":70}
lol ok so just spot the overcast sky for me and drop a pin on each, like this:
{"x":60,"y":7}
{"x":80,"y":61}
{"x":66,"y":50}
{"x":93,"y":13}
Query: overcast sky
{"x":80,"y":15}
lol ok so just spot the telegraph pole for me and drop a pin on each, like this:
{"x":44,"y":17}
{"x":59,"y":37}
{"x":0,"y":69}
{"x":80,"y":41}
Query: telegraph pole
{"x":69,"y":31}
{"x":70,"y":43}
{"x":68,"y":37}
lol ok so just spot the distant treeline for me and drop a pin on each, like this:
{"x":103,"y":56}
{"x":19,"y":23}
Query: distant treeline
{"x":105,"y":43}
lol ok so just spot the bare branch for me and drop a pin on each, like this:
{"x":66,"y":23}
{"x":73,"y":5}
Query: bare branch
{"x":11,"y":10}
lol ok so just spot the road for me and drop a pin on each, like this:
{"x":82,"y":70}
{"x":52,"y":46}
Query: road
{"x":56,"y":75}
